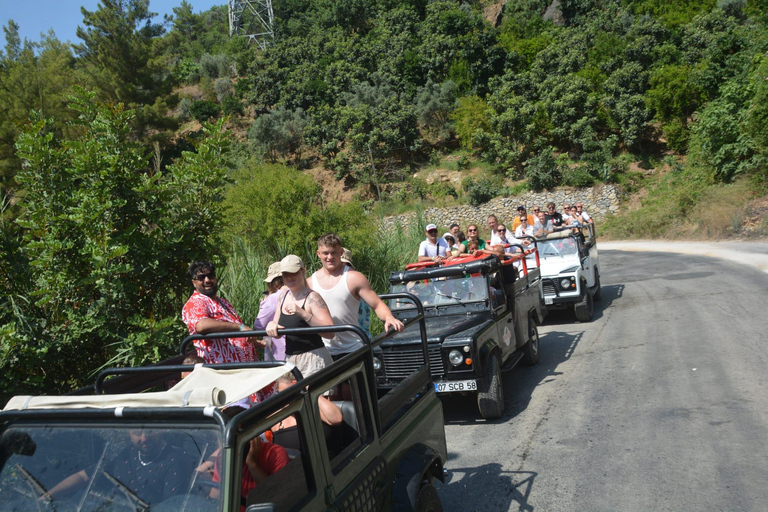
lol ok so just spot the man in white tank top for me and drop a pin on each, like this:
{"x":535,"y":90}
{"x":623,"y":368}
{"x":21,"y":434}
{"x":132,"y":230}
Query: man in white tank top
{"x":342,"y":289}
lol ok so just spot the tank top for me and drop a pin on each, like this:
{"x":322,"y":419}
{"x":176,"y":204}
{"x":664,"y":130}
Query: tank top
{"x":298,"y":343}
{"x":344,"y":308}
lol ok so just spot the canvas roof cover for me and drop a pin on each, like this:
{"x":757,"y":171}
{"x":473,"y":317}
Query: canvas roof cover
{"x":203,"y":387}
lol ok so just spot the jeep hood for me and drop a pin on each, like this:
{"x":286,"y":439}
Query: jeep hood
{"x":553,"y":265}
{"x":438,"y":328}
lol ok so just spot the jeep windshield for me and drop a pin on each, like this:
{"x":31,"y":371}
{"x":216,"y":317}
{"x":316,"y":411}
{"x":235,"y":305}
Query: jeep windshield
{"x":441,"y":291}
{"x":108,"y":468}
{"x":558,"y":247}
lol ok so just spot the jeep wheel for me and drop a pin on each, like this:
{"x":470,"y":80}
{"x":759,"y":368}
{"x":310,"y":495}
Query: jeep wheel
{"x":598,"y":295}
{"x":583,"y":309}
{"x":428,"y":500}
{"x":531,"y":349}
{"x":490,"y":399}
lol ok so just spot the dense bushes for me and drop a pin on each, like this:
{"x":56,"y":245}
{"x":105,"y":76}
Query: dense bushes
{"x":99,"y":255}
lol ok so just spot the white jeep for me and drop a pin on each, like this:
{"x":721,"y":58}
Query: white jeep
{"x":570,"y":273}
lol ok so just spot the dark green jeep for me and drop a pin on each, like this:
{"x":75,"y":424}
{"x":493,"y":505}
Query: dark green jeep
{"x":481,"y":316}
{"x":120,"y":446}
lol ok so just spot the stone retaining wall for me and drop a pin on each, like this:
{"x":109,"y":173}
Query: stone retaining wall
{"x":598,"y":202}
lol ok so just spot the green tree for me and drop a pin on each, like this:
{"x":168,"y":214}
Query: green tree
{"x":120,"y":55}
{"x":279,"y":132}
{"x":282,"y":211}
{"x":106,"y":240}
{"x":39,"y":78}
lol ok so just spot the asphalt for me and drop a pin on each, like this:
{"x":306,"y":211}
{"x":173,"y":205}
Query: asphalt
{"x":659,"y":403}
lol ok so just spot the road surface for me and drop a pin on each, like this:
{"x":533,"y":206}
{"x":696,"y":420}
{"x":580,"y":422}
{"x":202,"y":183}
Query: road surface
{"x":660,"y":403}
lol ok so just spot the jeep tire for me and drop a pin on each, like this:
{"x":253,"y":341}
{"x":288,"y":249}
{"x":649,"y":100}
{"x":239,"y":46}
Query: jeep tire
{"x":428,"y":500}
{"x":490,"y":398}
{"x":531,"y":349}
{"x":584,"y":308}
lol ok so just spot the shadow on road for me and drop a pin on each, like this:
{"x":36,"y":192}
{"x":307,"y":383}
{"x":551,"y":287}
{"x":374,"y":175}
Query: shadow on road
{"x":474,"y":486}
{"x":519,"y":383}
{"x":566,"y":317}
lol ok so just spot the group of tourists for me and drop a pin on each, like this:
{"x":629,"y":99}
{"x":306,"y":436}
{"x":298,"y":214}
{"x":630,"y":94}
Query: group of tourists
{"x":501,"y":238}
{"x":331,"y":296}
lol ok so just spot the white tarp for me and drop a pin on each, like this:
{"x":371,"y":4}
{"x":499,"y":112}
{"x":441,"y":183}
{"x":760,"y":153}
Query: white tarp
{"x":201,"y":388}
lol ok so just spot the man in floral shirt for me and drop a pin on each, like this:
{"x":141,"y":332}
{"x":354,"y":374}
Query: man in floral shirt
{"x":205,"y":313}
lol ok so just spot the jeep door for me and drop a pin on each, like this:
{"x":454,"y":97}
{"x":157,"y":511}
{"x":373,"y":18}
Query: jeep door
{"x":504,"y":326}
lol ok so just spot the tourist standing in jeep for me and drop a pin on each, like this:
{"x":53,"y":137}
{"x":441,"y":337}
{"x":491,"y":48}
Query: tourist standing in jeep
{"x":205,"y":313}
{"x":342,"y":289}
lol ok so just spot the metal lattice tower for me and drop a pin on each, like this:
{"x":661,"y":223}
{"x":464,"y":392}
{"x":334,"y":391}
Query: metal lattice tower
{"x":252,"y":19}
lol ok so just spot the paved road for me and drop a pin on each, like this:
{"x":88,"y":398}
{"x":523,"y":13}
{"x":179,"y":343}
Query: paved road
{"x":660,"y":403}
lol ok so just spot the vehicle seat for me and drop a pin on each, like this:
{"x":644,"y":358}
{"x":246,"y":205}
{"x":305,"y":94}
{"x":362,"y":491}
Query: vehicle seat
{"x":348,"y":411}
{"x":284,"y":488}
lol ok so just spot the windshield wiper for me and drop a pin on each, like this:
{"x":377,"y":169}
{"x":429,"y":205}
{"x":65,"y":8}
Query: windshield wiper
{"x":37,"y":487}
{"x":141,"y":505}
{"x":458,"y":300}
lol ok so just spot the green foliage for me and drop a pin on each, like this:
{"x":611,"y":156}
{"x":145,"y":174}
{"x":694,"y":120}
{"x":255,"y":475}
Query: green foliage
{"x":719,"y":140}
{"x":578,"y":176}
{"x":434,"y":104}
{"x":203,"y":110}
{"x":471,"y":119}
{"x":106,"y":241}
{"x":281,"y":209}
{"x":480,"y":190}
{"x":279,"y":132}
{"x":120,"y":56}
{"x":36,"y":76}
{"x":215,"y":66}
{"x":542,"y":171}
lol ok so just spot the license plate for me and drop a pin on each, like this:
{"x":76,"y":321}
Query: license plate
{"x":547,"y":300}
{"x":459,"y":385}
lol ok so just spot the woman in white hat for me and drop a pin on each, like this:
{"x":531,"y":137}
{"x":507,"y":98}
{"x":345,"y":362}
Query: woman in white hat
{"x":301,"y":307}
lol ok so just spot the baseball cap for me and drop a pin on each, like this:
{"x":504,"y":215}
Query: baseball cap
{"x":521,"y":207}
{"x":430,"y":227}
{"x":449,"y":235}
{"x":272,"y":272}
{"x":291,"y":263}
{"x":346,"y":257}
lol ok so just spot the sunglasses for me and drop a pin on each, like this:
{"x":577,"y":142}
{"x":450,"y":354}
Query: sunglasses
{"x":201,"y":277}
{"x":502,"y":230}
{"x":471,"y":231}
{"x":432,"y":231}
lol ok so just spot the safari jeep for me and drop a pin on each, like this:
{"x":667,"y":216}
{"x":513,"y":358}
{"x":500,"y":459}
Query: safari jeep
{"x":570,"y":272}
{"x":481,"y":316}
{"x":117,"y":446}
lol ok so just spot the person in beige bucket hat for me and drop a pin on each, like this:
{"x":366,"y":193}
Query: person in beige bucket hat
{"x":275,"y":347}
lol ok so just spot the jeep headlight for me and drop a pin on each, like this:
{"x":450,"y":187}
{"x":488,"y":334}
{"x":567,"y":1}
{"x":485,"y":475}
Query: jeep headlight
{"x":376,"y":364}
{"x":565,"y":284}
{"x":455,"y":357}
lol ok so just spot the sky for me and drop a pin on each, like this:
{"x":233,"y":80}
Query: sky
{"x":63,"y":16}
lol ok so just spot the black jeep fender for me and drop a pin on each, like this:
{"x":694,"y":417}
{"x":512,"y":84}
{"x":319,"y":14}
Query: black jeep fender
{"x":485,"y":351}
{"x":419,"y":463}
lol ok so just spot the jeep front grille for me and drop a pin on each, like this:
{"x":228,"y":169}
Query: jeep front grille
{"x":549,"y":287}
{"x":399,"y":364}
